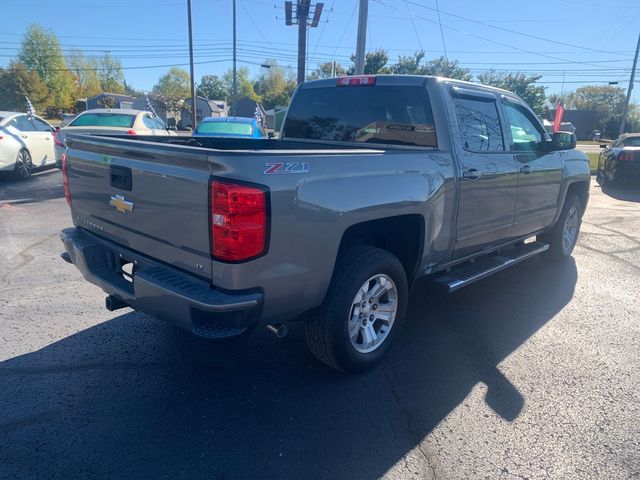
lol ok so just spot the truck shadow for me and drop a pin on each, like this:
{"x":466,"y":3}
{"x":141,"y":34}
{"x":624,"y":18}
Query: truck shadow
{"x":133,"y":397}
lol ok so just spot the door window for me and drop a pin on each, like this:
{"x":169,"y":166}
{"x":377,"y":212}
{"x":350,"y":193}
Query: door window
{"x":525,"y":131}
{"x":40,"y":126}
{"x":479,"y":124}
{"x":22,"y":123}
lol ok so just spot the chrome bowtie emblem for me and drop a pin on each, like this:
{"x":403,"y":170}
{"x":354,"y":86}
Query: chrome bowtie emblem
{"x":121,"y":205}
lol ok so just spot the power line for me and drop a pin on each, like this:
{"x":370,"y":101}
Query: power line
{"x":444,"y":46}
{"x":413,"y":24}
{"x":515,"y":32}
{"x":255,"y":25}
{"x":497,"y":42}
{"x":353,"y":12}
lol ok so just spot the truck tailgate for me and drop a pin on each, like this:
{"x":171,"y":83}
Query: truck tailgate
{"x":150,"y":200}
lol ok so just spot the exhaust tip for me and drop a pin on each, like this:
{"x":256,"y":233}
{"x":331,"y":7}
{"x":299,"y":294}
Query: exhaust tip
{"x":278,"y":329}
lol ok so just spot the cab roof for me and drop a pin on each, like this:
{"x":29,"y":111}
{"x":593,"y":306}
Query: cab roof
{"x":399,"y":80}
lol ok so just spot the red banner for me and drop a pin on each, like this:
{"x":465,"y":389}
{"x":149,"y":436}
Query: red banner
{"x":558,"y":120}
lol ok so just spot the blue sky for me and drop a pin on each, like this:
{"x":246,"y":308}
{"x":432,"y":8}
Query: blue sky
{"x":584,"y":41}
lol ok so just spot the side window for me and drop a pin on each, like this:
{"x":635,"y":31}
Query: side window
{"x":159,"y":124}
{"x":22,"y":123}
{"x":479,"y":124}
{"x":524,"y":130}
{"x":148,"y":122}
{"x":40,"y":126}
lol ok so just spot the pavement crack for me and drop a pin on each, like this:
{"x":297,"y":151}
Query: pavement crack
{"x":27,"y":256}
{"x":611,"y":255}
{"x":616,"y":232}
{"x":409,"y":419}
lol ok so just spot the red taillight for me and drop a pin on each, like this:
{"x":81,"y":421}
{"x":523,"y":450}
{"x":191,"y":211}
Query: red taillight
{"x":131,"y":131}
{"x":65,"y":179}
{"x":57,"y":140}
{"x":238,"y":221}
{"x":625,"y":156}
{"x":361,"y":80}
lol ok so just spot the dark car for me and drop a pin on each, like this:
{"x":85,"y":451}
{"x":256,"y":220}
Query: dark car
{"x":620,"y":161}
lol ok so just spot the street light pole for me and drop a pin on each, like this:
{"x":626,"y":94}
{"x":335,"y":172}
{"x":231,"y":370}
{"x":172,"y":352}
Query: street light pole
{"x":234,"y":95}
{"x":193,"y":82}
{"x":625,"y":111}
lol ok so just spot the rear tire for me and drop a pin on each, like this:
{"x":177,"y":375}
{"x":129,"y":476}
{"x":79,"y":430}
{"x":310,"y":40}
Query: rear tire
{"x":562,"y":238}
{"x":24,"y":164}
{"x":362,"y":311}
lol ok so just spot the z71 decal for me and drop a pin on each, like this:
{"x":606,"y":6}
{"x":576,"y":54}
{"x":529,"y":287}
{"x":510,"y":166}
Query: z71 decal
{"x":283,"y":168}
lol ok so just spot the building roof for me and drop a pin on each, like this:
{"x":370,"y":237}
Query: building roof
{"x":213,"y":104}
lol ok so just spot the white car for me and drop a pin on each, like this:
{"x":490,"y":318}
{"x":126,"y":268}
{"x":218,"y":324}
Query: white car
{"x":26,"y":142}
{"x":116,"y":121}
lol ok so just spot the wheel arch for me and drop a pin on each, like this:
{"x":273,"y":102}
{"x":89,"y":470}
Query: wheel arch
{"x":401,"y":235}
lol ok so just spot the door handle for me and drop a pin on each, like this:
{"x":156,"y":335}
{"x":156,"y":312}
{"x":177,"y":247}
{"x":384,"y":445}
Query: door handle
{"x":526,"y":169}
{"x":24,"y":136}
{"x":471,"y":174}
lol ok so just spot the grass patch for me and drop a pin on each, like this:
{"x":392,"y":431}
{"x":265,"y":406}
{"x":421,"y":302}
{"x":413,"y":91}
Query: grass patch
{"x":593,"y":161}
{"x":590,"y":142}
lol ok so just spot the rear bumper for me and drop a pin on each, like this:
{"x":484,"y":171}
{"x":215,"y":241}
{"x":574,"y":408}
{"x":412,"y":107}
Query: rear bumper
{"x":160,"y":290}
{"x":626,"y":171}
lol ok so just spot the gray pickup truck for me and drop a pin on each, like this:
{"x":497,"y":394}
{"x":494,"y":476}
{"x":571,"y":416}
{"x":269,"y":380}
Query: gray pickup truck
{"x":376,"y":181}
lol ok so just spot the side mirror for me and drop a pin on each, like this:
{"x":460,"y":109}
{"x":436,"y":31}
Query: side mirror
{"x":604,"y":145}
{"x":563,"y":141}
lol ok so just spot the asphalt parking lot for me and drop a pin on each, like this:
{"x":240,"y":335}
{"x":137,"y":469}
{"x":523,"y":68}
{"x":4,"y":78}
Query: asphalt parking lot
{"x":534,"y":373}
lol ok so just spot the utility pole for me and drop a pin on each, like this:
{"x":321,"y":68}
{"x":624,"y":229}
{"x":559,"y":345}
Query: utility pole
{"x":193,"y":81}
{"x":303,"y":15}
{"x":299,"y":14}
{"x":234,"y":88}
{"x":362,"y":36}
{"x":625,"y":111}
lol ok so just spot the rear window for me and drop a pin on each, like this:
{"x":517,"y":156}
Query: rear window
{"x":103,"y":120}
{"x":225,"y":128}
{"x":632,"y":142}
{"x":387,"y":115}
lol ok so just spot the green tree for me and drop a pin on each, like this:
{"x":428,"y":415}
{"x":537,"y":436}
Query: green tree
{"x":374,"y":62}
{"x":245,"y":85}
{"x":41,"y":52}
{"x":130,"y":90}
{"x":442,"y":67}
{"x":173,"y":88}
{"x":327,"y":70}
{"x":607,"y":100}
{"x":84,"y":69}
{"x":519,"y":83}
{"x":110,"y":73}
{"x":410,"y":64}
{"x":274,"y":86}
{"x":212,"y":87}
{"x":16,"y":82}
